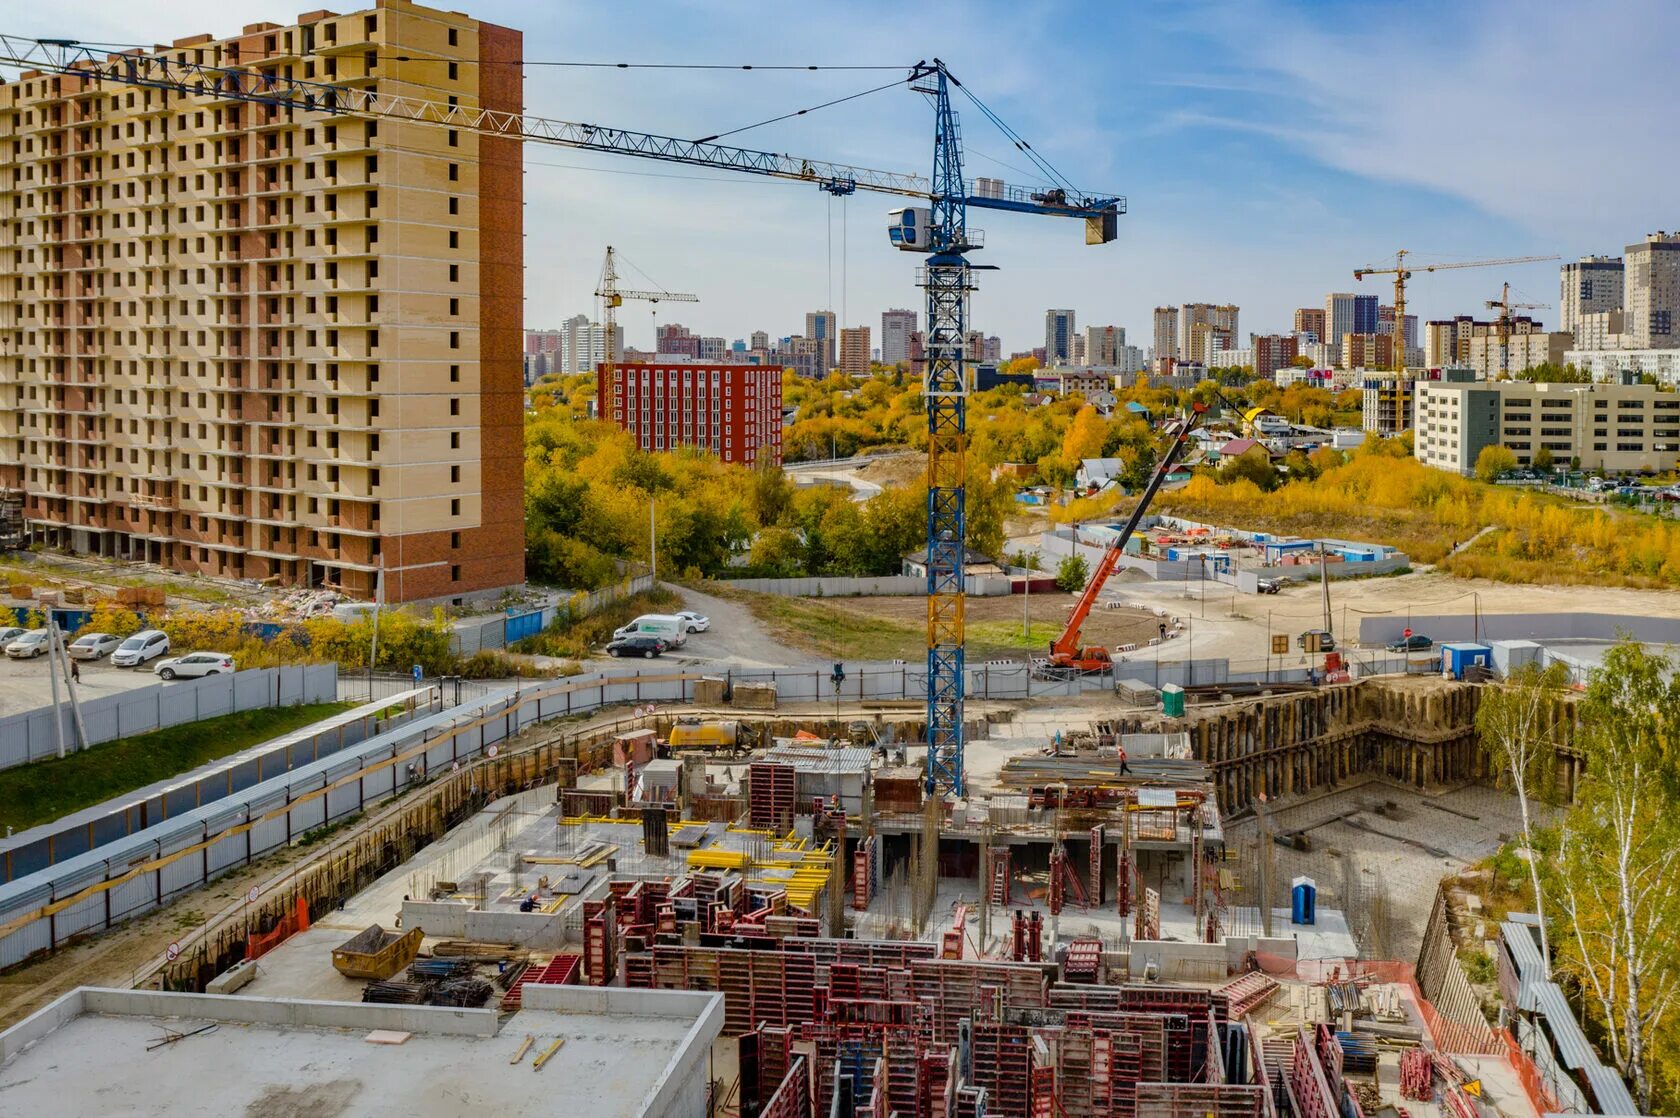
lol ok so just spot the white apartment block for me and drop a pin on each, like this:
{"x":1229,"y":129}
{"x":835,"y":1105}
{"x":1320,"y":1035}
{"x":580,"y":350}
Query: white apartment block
{"x":1524,"y":352}
{"x":1166,"y":335}
{"x":1652,"y":296}
{"x":1590,"y":285}
{"x":1612,"y":427}
{"x":1103,"y":344}
{"x":897,"y":325}
{"x":1601,"y":330}
{"x":1612,"y":364}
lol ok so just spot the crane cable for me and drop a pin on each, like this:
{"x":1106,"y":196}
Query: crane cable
{"x":800,"y":112}
{"x":152,"y":48}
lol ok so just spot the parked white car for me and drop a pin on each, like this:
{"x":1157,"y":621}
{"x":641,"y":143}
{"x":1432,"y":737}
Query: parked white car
{"x":93,"y":646}
{"x":195,"y":664}
{"x":147,"y":644}
{"x":696,"y":622}
{"x":28,"y":646}
{"x":9,"y":634}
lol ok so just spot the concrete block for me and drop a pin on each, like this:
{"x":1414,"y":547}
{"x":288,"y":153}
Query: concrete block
{"x":232,"y":979}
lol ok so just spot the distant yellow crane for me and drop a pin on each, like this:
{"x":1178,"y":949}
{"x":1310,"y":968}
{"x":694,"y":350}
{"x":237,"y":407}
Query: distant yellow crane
{"x":1504,"y":306}
{"x":612,"y":297}
{"x":1401,"y":273}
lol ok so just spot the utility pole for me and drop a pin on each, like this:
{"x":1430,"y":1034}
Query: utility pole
{"x":58,"y":711}
{"x":61,"y":660}
{"x":653,"y":542}
{"x":1265,"y":854}
{"x":378,"y":600}
{"x":1026,"y":615}
{"x":1324,"y":583}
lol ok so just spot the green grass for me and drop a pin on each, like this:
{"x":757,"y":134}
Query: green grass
{"x":45,"y":790}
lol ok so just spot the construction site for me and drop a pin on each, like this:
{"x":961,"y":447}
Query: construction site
{"x":1228,"y":900}
{"x":1111,"y":921}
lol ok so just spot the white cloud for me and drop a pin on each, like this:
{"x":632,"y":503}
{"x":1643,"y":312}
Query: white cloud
{"x":1556,"y":115}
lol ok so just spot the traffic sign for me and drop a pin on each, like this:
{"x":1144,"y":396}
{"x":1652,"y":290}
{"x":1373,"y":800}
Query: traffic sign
{"x":252,"y":895}
{"x":1280,"y":644}
{"x":174,"y":952}
{"x":1407,"y":634}
{"x":490,"y":751}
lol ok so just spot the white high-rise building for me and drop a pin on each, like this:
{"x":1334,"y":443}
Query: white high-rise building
{"x":1103,"y":344}
{"x":896,"y":327}
{"x":1165,"y":350}
{"x":1590,"y":285}
{"x":1652,"y":292}
{"x":583,"y":344}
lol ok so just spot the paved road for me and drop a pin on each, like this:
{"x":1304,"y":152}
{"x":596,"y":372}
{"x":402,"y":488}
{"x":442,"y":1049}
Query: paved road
{"x":736,"y":636}
{"x":735,"y":639}
{"x":24,"y":684}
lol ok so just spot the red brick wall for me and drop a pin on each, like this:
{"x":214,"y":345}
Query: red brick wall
{"x":749,"y":407}
{"x":492,"y":554}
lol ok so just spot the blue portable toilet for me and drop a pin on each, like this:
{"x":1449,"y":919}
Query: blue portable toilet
{"x":1460,"y":655}
{"x":1303,"y":901}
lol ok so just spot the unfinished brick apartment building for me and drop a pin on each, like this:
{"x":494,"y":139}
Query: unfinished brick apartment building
{"x":259,"y":342}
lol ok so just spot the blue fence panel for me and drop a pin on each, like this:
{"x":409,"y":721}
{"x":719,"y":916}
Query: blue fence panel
{"x":521,"y":626}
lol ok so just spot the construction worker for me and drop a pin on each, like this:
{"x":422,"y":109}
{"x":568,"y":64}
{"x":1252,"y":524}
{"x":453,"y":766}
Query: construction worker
{"x":1124,"y":768}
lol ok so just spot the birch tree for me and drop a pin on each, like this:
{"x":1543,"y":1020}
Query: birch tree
{"x":1619,"y":857}
{"x":1515,"y":720}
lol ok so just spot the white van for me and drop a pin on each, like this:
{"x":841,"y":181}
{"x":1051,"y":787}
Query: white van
{"x":670,"y":628}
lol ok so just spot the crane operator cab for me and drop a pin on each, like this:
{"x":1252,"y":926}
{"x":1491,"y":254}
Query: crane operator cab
{"x":910,"y":228}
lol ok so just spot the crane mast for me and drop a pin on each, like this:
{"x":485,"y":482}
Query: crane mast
{"x":612,"y":297}
{"x":947,"y":282}
{"x":1504,"y":306}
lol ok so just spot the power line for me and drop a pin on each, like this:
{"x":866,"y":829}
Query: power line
{"x":800,"y":112}
{"x":153,"y":48}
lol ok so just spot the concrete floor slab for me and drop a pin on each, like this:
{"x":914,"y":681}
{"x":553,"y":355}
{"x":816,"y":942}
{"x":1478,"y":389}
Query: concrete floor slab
{"x":103,"y":1063}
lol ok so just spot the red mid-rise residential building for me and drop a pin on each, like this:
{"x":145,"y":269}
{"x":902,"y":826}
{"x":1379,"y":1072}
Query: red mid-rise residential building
{"x":735,"y":411}
{"x":1273,"y":352}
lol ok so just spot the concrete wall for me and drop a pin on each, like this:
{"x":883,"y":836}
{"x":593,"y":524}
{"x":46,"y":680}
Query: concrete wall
{"x":426,"y":1020}
{"x":1521,"y":626}
{"x":30,"y":736}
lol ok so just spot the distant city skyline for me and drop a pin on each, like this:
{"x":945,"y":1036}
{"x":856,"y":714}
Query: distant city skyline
{"x":1259,"y":178}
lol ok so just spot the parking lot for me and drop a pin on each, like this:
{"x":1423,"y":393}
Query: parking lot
{"x":24,"y":684}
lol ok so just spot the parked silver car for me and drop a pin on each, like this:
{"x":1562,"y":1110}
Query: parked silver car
{"x":28,"y":646}
{"x":147,"y":644}
{"x":93,"y":646}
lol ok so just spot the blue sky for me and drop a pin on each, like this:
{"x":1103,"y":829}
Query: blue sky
{"x":1267,"y":147}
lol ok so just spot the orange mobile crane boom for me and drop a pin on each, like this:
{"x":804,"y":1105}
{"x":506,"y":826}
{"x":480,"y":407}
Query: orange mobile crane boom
{"x":1065,"y":651}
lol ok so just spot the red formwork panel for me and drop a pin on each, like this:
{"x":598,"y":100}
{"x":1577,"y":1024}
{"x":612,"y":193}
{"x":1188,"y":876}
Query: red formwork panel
{"x":793,"y":1098}
{"x":562,"y":970}
{"x":954,"y":990}
{"x":1313,"y":1098}
{"x":1002,"y":1064}
{"x":1199,"y":1100}
{"x":1247,"y":992}
{"x":772,"y":794}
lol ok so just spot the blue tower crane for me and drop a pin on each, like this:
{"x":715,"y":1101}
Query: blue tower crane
{"x":939,"y":229}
